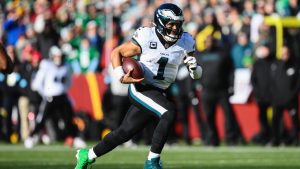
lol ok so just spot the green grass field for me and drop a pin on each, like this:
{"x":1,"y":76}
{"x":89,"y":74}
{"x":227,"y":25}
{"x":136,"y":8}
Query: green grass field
{"x":175,"y":157}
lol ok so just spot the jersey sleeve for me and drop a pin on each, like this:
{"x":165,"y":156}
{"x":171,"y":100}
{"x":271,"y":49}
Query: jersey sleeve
{"x":140,"y":37}
{"x":189,"y":43}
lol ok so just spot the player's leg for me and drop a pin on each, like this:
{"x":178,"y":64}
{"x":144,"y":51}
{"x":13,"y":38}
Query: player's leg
{"x":201,"y":123}
{"x":44,"y":112}
{"x":276,"y":125}
{"x":154,"y":102}
{"x":160,"y":134}
{"x":134,"y":121}
{"x":66,"y":113}
{"x":264,"y":135}
{"x":8,"y":101}
{"x":209,"y":108}
{"x":233,"y":132}
{"x":294,"y":113}
{"x":183,"y":104}
{"x":162,"y":129}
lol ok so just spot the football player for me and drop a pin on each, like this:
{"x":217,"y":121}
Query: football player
{"x":6,"y":64}
{"x":162,"y":49}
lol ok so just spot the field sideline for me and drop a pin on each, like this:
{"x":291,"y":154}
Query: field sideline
{"x":175,"y":157}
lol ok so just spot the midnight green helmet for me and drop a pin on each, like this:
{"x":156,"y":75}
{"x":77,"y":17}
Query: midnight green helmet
{"x":164,"y":14}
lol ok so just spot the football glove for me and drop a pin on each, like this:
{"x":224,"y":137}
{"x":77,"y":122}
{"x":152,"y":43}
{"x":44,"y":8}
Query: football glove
{"x":190,"y":62}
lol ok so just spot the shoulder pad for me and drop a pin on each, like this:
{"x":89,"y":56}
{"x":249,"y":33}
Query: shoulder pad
{"x":141,"y":32}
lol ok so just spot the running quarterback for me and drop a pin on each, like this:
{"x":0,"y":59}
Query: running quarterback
{"x":162,"y":49}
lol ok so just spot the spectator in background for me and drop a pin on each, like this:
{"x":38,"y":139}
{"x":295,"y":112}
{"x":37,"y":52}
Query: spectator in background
{"x":24,"y":40}
{"x":13,"y":25}
{"x":291,"y":8}
{"x":47,"y":36}
{"x":69,"y":43}
{"x":292,"y":36}
{"x":263,"y":8}
{"x":55,"y":5}
{"x":39,"y":8}
{"x":217,"y":83}
{"x":20,"y":45}
{"x":256,"y":21}
{"x":23,"y":104}
{"x":285,"y":80}
{"x":52,"y":81}
{"x":210,"y":27}
{"x":89,"y":12}
{"x":111,"y":42}
{"x":29,"y":72}
{"x":266,"y":38}
{"x":6,"y":62}
{"x":241,"y":52}
{"x":10,"y":84}
{"x":72,"y":35}
{"x":34,"y":97}
{"x":261,"y":82}
{"x":118,"y":102}
{"x":86,"y":59}
{"x":29,"y":100}
{"x":62,"y":18}
{"x":186,"y":96}
{"x":288,"y":8}
{"x":30,"y":34}
{"x":246,"y":19}
{"x":248,"y":8}
{"x":92,"y":35}
{"x":235,"y":22}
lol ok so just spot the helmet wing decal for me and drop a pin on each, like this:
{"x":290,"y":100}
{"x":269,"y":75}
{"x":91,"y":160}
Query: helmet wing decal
{"x":170,"y":14}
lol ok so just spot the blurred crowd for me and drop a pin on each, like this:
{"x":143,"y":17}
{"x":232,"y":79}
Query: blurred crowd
{"x":52,"y":41}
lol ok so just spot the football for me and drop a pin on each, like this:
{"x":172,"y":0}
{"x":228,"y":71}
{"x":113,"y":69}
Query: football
{"x":130,"y":63}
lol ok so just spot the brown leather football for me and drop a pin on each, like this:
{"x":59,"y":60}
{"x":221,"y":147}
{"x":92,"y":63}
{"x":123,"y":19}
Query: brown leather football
{"x":130,"y":63}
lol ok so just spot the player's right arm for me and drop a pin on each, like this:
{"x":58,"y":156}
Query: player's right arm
{"x":6,"y":64}
{"x":127,"y":49}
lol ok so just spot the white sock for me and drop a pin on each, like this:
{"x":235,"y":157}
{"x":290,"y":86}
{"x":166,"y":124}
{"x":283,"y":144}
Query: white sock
{"x":92,"y":154}
{"x":152,"y":155}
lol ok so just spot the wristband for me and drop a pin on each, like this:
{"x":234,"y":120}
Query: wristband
{"x":118,"y":72}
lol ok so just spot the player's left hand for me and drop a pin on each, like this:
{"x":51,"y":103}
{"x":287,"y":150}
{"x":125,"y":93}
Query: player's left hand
{"x":190,"y":62}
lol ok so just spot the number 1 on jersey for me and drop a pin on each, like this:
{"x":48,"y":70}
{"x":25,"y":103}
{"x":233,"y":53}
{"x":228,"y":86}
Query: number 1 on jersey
{"x":161,"y":69}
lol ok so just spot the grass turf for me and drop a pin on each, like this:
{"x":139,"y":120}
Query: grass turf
{"x":175,"y":157}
